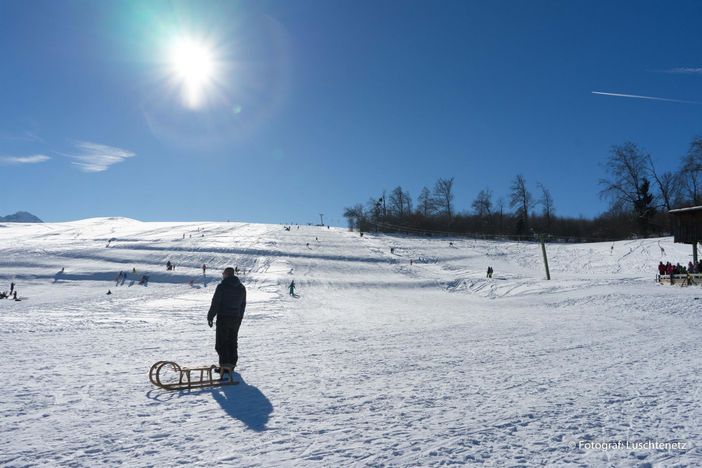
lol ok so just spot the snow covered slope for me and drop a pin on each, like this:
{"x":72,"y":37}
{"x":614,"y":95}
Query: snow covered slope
{"x":377,"y":362}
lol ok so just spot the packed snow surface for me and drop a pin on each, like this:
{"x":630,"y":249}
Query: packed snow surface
{"x":377,"y":362}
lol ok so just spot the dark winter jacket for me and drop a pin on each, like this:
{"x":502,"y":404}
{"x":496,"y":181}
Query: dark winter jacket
{"x":229,"y":301}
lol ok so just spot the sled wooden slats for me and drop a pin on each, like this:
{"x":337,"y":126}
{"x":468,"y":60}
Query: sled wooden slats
{"x":189,"y":378}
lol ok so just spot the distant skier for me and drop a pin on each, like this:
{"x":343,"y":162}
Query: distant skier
{"x":12,"y":287}
{"x":14,"y":296}
{"x":109,"y":292}
{"x":392,"y":250}
{"x":204,"y":269}
{"x":291,"y":288}
{"x":489,"y":272}
{"x":228,"y":305}
{"x":236,"y":270}
{"x":169,"y":266}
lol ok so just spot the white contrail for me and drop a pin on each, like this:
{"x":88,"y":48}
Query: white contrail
{"x":652,"y":98}
{"x":685,"y":70}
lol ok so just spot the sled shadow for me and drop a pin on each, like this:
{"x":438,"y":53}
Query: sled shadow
{"x":245,"y":403}
{"x":160,"y":395}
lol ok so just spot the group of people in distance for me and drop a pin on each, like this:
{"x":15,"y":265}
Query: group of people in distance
{"x":670,"y":269}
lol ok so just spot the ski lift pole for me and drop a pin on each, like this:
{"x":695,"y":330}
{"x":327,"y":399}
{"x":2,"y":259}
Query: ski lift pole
{"x":543,"y":251}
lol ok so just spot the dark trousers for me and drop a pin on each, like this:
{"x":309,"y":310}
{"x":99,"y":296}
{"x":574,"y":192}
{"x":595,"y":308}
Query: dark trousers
{"x":226,"y":344}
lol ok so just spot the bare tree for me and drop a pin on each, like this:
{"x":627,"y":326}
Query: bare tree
{"x":400,"y":202}
{"x":425,"y":202}
{"x":546,"y":202}
{"x":397,"y":201}
{"x":354,"y":216}
{"x":500,"y":211}
{"x":627,"y":169}
{"x":668,"y":186}
{"x":382,"y":200}
{"x":443,"y":196}
{"x":482,"y":205}
{"x":521,"y":199}
{"x":691,"y":172}
{"x":628,"y":185}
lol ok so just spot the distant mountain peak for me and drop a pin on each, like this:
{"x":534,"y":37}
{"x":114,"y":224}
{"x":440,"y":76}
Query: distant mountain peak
{"x":20,"y":217}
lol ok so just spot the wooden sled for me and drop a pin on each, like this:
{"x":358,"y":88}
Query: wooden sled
{"x":184,"y":378}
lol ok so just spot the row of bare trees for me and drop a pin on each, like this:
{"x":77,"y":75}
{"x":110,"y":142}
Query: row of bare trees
{"x":435,"y":211}
{"x":634,"y":187}
{"x":639,"y":197}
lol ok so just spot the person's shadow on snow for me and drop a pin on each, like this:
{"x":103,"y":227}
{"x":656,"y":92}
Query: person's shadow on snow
{"x":245,"y":403}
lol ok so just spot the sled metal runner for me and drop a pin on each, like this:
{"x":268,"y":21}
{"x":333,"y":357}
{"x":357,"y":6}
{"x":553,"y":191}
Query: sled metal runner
{"x":184,"y":378}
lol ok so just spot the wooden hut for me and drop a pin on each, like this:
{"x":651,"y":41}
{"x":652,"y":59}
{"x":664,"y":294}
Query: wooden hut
{"x":687,"y":227}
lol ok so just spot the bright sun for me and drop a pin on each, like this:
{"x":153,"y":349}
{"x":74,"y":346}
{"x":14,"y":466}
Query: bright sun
{"x":193,"y":66}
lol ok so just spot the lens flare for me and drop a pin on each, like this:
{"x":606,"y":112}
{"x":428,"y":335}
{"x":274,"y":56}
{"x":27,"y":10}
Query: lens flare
{"x":193,"y":66}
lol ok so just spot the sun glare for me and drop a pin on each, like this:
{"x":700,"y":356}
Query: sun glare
{"x":193,"y":67}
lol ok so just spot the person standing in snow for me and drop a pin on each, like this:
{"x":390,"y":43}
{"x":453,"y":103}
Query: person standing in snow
{"x":228,"y":305}
{"x":291,"y":288}
{"x":12,"y":287}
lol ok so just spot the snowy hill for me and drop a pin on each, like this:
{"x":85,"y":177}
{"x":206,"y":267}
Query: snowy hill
{"x":20,"y":217}
{"x":378,"y":361}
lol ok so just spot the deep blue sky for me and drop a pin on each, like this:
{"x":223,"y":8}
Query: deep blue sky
{"x":322,"y":104}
